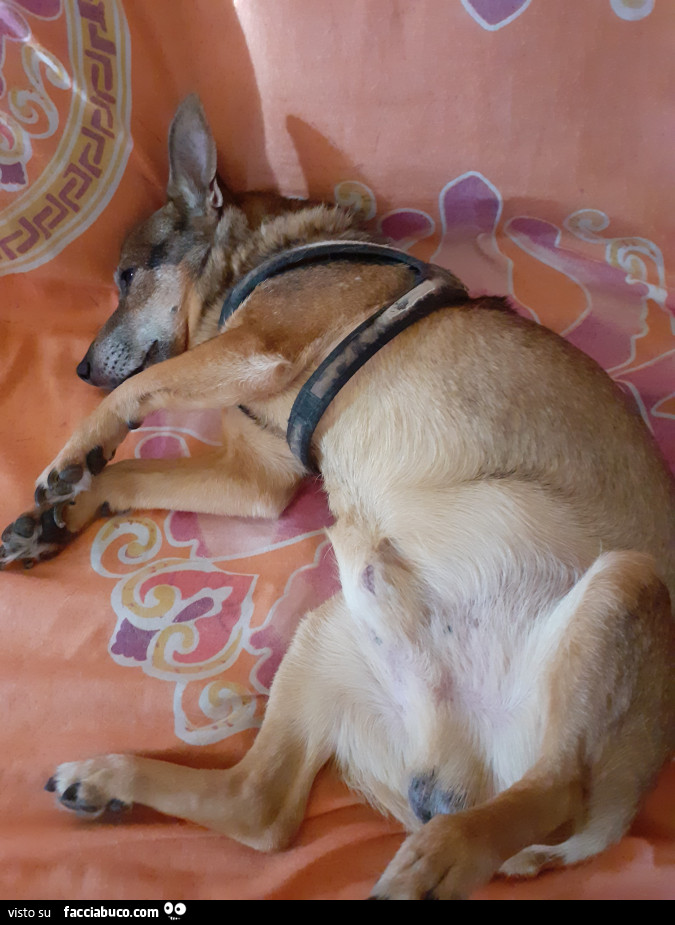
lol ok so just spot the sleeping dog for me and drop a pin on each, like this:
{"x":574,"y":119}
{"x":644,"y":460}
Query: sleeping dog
{"x":496,"y":671}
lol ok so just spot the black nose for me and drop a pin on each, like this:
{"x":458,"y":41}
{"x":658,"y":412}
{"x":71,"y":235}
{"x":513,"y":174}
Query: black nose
{"x":84,"y":370}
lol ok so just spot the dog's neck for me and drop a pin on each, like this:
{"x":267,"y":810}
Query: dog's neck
{"x":237,"y":249}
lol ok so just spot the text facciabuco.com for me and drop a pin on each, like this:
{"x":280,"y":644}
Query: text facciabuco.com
{"x":86,"y":912}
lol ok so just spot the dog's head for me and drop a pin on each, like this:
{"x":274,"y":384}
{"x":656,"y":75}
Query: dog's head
{"x":161,"y":259}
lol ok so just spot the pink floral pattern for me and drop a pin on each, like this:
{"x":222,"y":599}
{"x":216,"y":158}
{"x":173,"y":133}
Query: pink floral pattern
{"x":619,"y":284}
{"x":494,"y":14}
{"x":208,"y":604}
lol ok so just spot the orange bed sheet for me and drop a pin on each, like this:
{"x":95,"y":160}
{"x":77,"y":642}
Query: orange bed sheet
{"x":524,"y":144}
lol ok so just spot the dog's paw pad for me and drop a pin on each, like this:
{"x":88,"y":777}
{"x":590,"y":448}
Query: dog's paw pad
{"x":81,"y":800}
{"x":24,"y":527}
{"x":87,"y":801}
{"x":35,"y":536}
{"x":63,"y":484}
{"x":91,"y":788}
{"x":96,"y":461}
{"x":71,"y":474}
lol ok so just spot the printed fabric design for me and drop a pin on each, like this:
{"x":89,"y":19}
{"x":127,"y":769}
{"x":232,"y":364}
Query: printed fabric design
{"x":495,"y":14}
{"x":207,"y":604}
{"x":65,"y":106}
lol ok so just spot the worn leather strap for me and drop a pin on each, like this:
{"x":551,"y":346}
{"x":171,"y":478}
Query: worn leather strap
{"x":434,"y":288}
{"x":308,"y":254}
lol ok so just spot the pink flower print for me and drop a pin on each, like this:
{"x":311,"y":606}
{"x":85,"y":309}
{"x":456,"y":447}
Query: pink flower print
{"x":406,"y":227}
{"x":192,"y":611}
{"x":615,"y":308}
{"x":494,"y":14}
{"x":646,"y":385}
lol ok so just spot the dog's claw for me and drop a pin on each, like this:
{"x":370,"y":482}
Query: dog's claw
{"x":50,"y":786}
{"x":53,"y":525}
{"x":40,"y":495}
{"x":59,"y":519}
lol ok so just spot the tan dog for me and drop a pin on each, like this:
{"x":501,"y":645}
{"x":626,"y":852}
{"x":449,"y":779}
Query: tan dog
{"x":497,"y":669}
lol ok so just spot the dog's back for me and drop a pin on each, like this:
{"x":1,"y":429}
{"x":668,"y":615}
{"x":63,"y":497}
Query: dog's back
{"x":481,"y":402}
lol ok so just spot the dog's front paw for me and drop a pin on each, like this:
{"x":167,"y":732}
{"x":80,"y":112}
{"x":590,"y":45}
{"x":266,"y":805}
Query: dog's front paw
{"x":62,"y":481}
{"x":35,"y":536}
{"x":90,"y":788}
{"x":437,"y":862}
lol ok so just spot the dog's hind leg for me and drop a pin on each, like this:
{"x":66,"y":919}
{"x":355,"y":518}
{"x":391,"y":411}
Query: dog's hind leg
{"x":261,"y":801}
{"x":608,"y":697}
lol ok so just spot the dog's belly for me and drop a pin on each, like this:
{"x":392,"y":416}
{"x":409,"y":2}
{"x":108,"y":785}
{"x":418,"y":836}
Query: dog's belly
{"x":443,"y":722}
{"x":446,"y":700}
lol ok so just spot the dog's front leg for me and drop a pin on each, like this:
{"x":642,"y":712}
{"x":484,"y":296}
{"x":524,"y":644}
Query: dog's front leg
{"x":253,"y":475}
{"x":229,"y":370}
{"x":233,"y":481}
{"x":261,"y":801}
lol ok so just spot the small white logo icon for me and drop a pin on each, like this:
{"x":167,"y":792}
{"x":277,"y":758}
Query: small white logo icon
{"x":174,"y":910}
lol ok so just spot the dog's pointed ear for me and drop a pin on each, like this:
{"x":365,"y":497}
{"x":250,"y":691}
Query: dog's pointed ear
{"x":193,"y":184}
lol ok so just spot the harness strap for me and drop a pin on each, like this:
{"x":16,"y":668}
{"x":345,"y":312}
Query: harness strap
{"x":434,"y":288}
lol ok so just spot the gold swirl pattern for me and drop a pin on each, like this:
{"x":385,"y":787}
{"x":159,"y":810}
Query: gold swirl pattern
{"x":112,"y":556}
{"x":228,"y":706}
{"x":82,"y":170}
{"x":351,"y":194}
{"x":186,"y":618}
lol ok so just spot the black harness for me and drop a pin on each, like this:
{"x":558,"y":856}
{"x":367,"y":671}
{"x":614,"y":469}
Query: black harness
{"x":433,"y":288}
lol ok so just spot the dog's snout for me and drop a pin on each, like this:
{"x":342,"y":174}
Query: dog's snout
{"x":84,"y":370}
